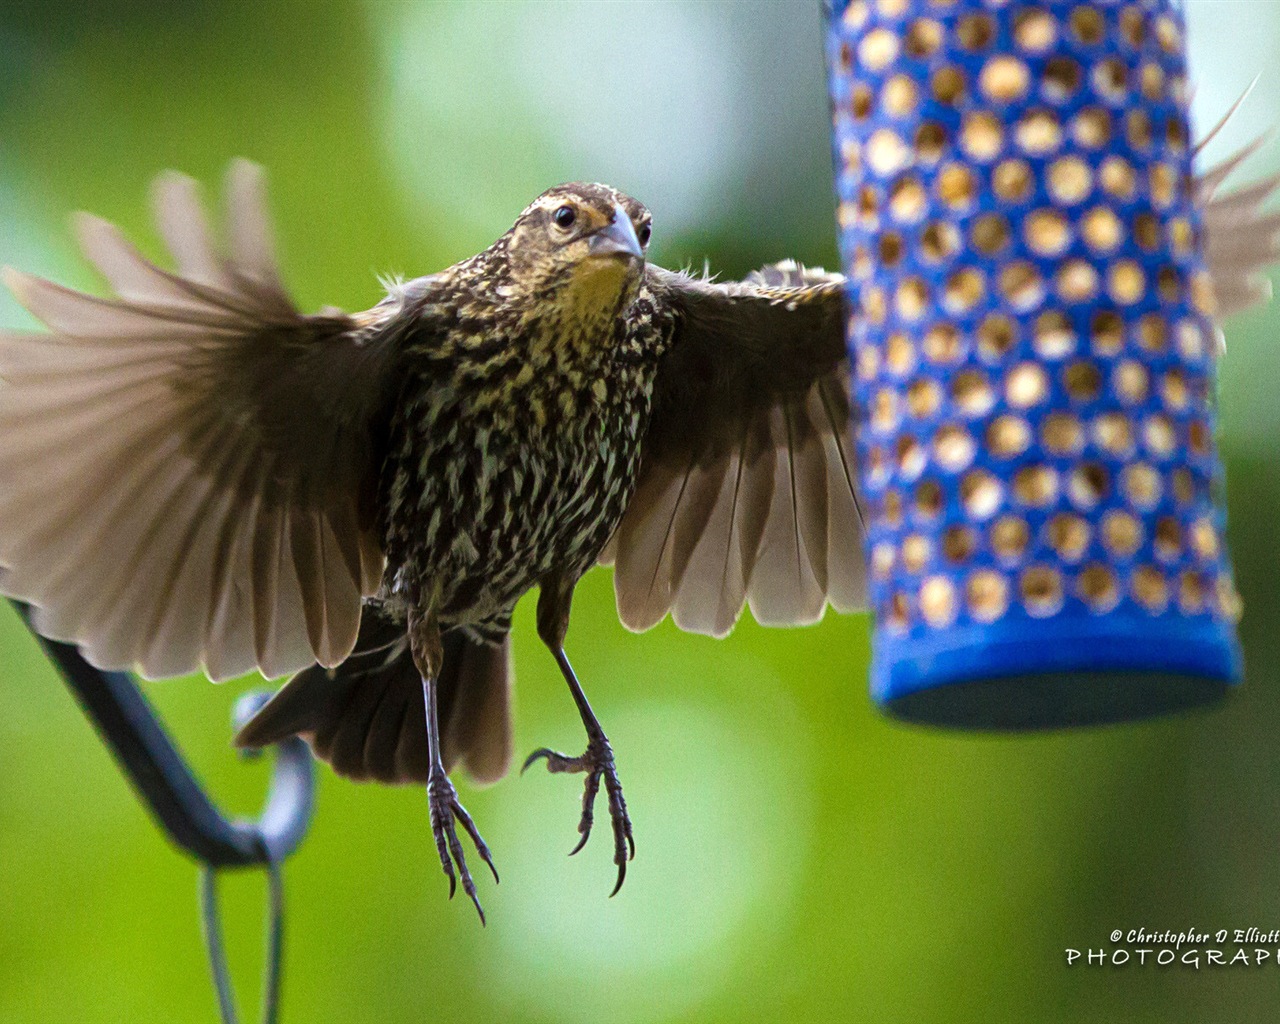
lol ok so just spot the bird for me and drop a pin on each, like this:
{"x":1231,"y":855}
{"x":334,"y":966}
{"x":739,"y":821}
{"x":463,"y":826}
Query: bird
{"x":197,"y":476}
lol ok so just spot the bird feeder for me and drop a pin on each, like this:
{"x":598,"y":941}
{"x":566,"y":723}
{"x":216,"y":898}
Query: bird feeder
{"x":1034,"y":361}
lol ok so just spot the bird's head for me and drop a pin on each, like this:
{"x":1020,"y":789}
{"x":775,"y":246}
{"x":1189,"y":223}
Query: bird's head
{"x":579,"y":249}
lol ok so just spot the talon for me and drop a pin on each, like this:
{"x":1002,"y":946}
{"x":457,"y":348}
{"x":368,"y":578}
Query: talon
{"x":446,"y":810}
{"x":540,"y":752}
{"x":597,"y":763}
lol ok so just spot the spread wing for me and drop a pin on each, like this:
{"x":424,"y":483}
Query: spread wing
{"x":747,"y":490}
{"x":184,"y":468}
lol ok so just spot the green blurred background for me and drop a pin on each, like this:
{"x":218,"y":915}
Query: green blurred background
{"x":800,"y":857}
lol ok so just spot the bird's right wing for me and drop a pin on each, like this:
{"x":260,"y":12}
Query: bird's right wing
{"x":185,"y":469}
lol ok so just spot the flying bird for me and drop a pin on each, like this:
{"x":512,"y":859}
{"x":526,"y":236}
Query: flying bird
{"x":196,"y":475}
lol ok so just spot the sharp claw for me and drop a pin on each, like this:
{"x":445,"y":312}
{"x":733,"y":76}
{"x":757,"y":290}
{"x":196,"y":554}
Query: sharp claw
{"x":581,"y":842}
{"x":631,"y":843}
{"x":622,"y":877}
{"x":453,"y":886}
{"x":540,"y":752}
{"x":445,"y":812}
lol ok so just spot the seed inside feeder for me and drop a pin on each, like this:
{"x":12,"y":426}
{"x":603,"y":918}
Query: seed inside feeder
{"x":981,"y":136}
{"x":898,"y":615}
{"x":1012,"y":180}
{"x":953,"y":448}
{"x":938,"y":601}
{"x":948,"y":86}
{"x":1062,"y":434}
{"x":1036,"y":486}
{"x":900,"y":354}
{"x":1229,"y":602}
{"x":1054,"y":336}
{"x":958,"y":543}
{"x":1087,"y":485}
{"x":1121,"y":533}
{"x":1102,"y":230}
{"x":1131,"y":381}
{"x":887,"y":153}
{"x":1184,"y":488}
{"x":883,"y":556}
{"x":1150,"y":588}
{"x":1004,"y":79}
{"x":939,"y":240}
{"x":911,"y":298}
{"x":915,"y":553}
{"x":930,"y":139}
{"x":924,"y":36}
{"x":1141,"y":485}
{"x":975,"y":31}
{"x":1039,"y":133}
{"x":1106,"y":333}
{"x":1158,"y":435}
{"x":1068,"y":535}
{"x":943,"y":344}
{"x":996,"y":336}
{"x":1097,"y":587}
{"x":1113,"y":433}
{"x":972,"y":393}
{"x":1083,"y":381}
{"x":1146,"y":231}
{"x":1035,"y":30}
{"x":1021,"y":285}
{"x":1061,"y":79}
{"x":929,"y":499}
{"x":911,"y":457}
{"x":1204,"y":540}
{"x":1070,"y":180}
{"x":1192,"y":592}
{"x":1026,"y":385}
{"x":907,"y":200}
{"x":1008,"y":436}
{"x":981,"y":494}
{"x":956,"y":186}
{"x":1168,"y":539}
{"x":1041,"y":587}
{"x":1047,"y":233}
{"x":924,"y":396}
{"x":1076,"y":281}
{"x":1116,"y":177}
{"x":963,"y":291}
{"x":1174,"y":391}
{"x":877,"y":49}
{"x":1009,"y":538}
{"x":1126,"y":283}
{"x":1091,"y":128}
{"x":987,"y":595}
{"x":900,"y":96}
{"x":989,"y":233}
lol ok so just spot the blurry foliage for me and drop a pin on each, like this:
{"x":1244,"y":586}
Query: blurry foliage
{"x":800,"y":858}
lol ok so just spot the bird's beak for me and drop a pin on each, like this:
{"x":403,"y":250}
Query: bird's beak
{"x":618,"y":237}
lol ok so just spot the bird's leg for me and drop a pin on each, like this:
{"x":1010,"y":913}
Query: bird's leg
{"x":442,"y":798}
{"x":597,"y":760}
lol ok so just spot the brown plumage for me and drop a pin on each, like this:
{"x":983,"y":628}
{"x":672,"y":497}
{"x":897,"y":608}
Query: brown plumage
{"x":195,"y":475}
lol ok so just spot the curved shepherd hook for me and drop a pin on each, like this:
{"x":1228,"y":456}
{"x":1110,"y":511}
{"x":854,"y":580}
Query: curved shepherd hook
{"x":127,"y":724}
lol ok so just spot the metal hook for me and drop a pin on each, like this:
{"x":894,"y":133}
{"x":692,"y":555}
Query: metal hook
{"x":128,"y":725}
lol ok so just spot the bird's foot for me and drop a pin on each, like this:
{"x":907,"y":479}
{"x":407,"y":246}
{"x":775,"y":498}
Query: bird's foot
{"x":597,"y":763}
{"x":442,"y":799}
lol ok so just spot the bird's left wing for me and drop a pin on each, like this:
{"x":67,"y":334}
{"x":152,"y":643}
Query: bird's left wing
{"x":747,"y":490}
{"x":184,"y":468}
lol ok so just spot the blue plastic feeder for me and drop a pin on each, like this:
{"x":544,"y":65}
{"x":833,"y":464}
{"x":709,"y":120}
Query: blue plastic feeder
{"x":1034,"y":361}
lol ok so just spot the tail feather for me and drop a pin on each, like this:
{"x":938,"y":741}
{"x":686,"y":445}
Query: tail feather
{"x":366,"y":717}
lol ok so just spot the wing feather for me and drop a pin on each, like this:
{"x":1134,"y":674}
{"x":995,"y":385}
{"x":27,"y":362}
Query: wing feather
{"x":186,"y":467}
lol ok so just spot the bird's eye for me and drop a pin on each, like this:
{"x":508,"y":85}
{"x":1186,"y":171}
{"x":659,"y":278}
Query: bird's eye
{"x":643,"y":234}
{"x":565,"y":216}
